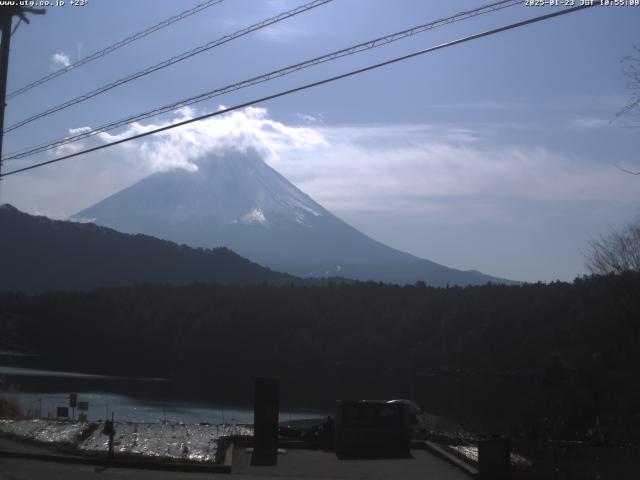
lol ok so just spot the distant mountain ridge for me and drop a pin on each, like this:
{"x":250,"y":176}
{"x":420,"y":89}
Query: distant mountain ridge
{"x":43,"y":254}
{"x":238,"y":201}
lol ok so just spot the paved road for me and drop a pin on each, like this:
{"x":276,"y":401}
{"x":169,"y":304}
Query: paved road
{"x":20,"y":469}
{"x":423,"y":466}
{"x":7,"y":445}
{"x":294,"y":464}
{"x":316,"y":464}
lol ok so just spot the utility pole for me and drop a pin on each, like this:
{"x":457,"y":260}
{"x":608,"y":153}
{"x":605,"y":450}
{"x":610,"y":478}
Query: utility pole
{"x":6,"y":17}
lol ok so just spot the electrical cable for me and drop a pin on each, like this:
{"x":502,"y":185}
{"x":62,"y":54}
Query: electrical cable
{"x":169,"y":62}
{"x":17,"y":25}
{"x":371,"y":44}
{"x":306,"y":86}
{"x":115,"y":46}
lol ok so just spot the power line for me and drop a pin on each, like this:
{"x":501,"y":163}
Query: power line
{"x":306,"y":86}
{"x":371,"y":44}
{"x":170,"y":61}
{"x":115,"y":46}
{"x":6,"y":18}
{"x":14,"y":31}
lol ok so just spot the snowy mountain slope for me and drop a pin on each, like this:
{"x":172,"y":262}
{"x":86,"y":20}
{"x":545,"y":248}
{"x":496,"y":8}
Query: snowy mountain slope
{"x":240,"y":202}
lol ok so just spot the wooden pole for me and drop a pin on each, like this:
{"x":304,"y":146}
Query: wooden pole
{"x":5,"y":19}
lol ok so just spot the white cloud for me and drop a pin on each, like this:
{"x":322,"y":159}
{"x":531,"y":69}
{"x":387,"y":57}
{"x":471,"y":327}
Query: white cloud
{"x":590,"y":123}
{"x":71,"y":148}
{"x":440,"y":172}
{"x":309,"y":119}
{"x":282,"y":33}
{"x":433,"y":170}
{"x":59,"y":60}
{"x":240,"y":130}
{"x":485,"y":105}
{"x":70,"y":186}
{"x":603,"y":103}
{"x":80,"y":49}
{"x":465,"y":197}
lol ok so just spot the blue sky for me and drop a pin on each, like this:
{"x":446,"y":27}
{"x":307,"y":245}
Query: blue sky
{"x":498,"y":155}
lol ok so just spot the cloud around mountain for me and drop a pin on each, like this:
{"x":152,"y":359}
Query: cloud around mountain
{"x":237,"y":201}
{"x":247,"y":129}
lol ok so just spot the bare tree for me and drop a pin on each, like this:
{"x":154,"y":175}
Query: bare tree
{"x":631,"y":70}
{"x":630,"y":114}
{"x":616,"y":252}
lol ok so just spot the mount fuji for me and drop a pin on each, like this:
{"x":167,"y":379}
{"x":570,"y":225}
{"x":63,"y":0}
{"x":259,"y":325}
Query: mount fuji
{"x":238,"y":201}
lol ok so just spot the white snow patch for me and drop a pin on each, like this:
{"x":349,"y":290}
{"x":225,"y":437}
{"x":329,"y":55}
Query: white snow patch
{"x":175,"y":441}
{"x":254,"y":216}
{"x":196,"y":442}
{"x":310,"y":210}
{"x":44,"y":431}
{"x":83,"y":220}
{"x":470,"y":452}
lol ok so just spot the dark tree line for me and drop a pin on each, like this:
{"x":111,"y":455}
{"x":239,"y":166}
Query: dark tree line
{"x":540,"y":359}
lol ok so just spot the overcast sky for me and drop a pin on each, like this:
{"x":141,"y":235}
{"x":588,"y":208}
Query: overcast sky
{"x":497,"y":155}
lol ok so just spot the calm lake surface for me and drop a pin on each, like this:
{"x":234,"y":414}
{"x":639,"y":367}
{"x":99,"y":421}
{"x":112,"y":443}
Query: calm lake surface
{"x":39,"y":392}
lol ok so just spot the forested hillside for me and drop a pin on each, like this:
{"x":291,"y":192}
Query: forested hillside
{"x":43,"y":254}
{"x":545,"y":359}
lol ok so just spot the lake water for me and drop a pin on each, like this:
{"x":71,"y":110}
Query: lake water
{"x":35,"y":391}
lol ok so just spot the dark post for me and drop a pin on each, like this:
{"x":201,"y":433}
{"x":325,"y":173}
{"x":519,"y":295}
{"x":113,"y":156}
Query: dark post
{"x":73,"y":400}
{"x":109,"y":429}
{"x":5,"y":17}
{"x":112,"y":432}
{"x":265,"y":420}
{"x":111,"y":445}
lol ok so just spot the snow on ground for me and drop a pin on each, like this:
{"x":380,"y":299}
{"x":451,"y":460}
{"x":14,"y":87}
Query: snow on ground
{"x":45,"y":431}
{"x":175,"y":441}
{"x":470,"y":452}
